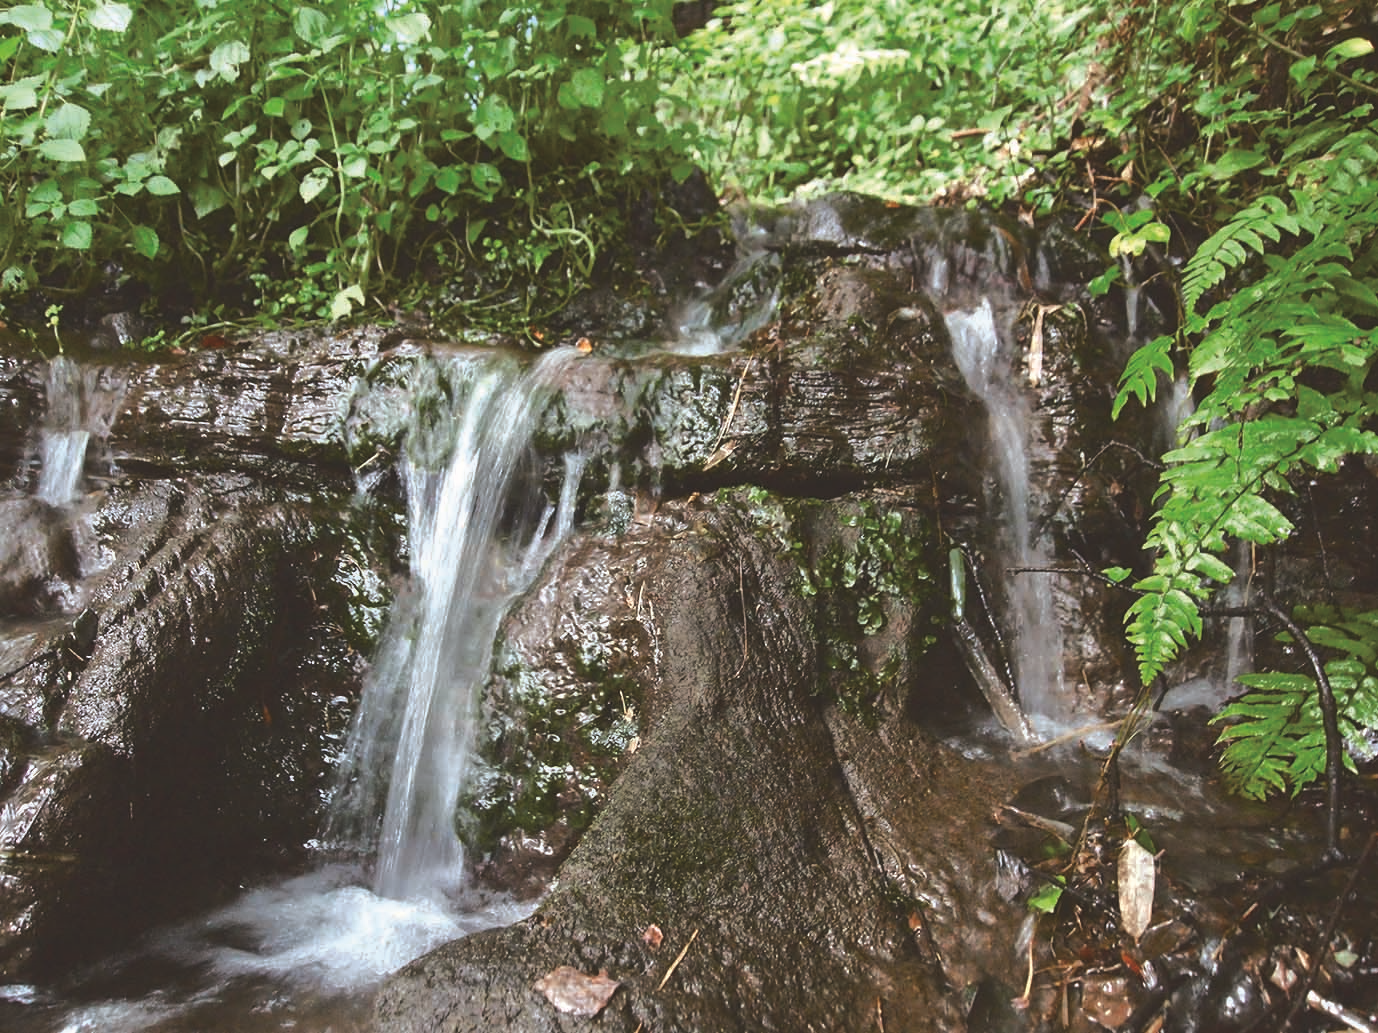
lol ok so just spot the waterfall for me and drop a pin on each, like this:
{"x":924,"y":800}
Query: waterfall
{"x":1037,"y":637}
{"x":81,"y":403}
{"x":408,"y":752}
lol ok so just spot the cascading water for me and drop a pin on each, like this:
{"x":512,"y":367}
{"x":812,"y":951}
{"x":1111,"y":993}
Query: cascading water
{"x":1037,"y":645}
{"x":408,"y":750}
{"x":305,"y":952}
{"x":81,"y":404}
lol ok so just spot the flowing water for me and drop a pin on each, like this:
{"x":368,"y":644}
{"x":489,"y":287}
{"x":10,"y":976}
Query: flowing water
{"x":1037,"y":637}
{"x":82,"y":403}
{"x":409,"y":748}
{"x":306,"y":952}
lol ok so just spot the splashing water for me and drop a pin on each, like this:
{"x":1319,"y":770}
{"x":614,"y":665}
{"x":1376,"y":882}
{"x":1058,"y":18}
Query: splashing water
{"x":408,"y":752}
{"x":1036,"y":633}
{"x":82,"y":403}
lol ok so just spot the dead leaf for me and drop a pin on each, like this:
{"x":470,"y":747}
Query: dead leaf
{"x":722,"y":453}
{"x":584,"y":345}
{"x":653,"y":937}
{"x":1137,"y":880}
{"x":574,"y":993}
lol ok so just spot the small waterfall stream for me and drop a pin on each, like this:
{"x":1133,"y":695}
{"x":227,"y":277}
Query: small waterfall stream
{"x":306,"y":952}
{"x":1037,"y":645}
{"x":81,"y":404}
{"x":409,"y":747}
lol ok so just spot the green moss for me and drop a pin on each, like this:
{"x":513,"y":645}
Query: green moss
{"x":860,"y":562}
{"x":551,"y":747}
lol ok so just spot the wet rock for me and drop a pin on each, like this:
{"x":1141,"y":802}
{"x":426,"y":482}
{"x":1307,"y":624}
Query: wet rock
{"x":38,"y":563}
{"x":183,"y":715}
{"x":118,"y":330}
{"x":746,"y":822}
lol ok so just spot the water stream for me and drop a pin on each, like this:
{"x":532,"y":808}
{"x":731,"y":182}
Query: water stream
{"x":305,"y":952}
{"x":81,"y":404}
{"x":1037,"y":636}
{"x":409,"y":749}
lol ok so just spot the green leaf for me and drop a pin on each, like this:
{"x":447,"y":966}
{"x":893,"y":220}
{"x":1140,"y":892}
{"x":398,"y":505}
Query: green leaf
{"x":111,"y":17}
{"x":448,"y":179}
{"x":227,"y":57}
{"x":145,"y":241}
{"x":514,"y":146}
{"x":346,"y":301}
{"x":29,"y":17}
{"x":67,"y":151}
{"x":1044,"y":899}
{"x":297,"y":239}
{"x":1235,"y":161}
{"x":493,"y":116}
{"x":311,"y":26}
{"x":84,"y":208}
{"x":76,"y":235}
{"x":1117,"y":574}
{"x":68,"y":122}
{"x":312,"y":185}
{"x":274,"y":107}
{"x":19,"y":96}
{"x":161,"y":186}
{"x":586,"y":88}
{"x":410,"y":29}
{"x":1355,"y":46}
{"x":486,"y":178}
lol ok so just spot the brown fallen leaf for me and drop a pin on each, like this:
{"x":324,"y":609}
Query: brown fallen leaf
{"x":653,"y":937}
{"x":1137,"y":879}
{"x":574,"y":993}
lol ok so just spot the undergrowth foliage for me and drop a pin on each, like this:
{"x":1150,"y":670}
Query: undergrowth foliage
{"x":1277,"y":339}
{"x":307,"y":158}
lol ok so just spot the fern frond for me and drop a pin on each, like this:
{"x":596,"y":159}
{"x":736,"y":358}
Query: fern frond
{"x":1140,"y":376}
{"x":1274,"y":736}
{"x":1228,"y":248}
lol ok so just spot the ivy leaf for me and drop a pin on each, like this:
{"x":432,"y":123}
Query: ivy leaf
{"x":145,"y":241}
{"x":161,"y":186}
{"x":67,"y":151}
{"x":111,"y":17}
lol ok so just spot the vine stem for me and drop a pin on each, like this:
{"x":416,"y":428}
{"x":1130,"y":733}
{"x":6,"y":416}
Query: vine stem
{"x":1329,"y":719}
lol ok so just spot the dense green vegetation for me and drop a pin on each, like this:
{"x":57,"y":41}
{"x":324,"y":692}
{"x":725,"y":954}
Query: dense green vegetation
{"x":322,"y":160}
{"x":311,"y":160}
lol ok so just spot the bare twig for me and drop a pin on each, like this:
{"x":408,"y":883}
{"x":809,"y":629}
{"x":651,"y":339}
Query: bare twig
{"x":1304,"y":994}
{"x":732,"y":410}
{"x":675,"y":964}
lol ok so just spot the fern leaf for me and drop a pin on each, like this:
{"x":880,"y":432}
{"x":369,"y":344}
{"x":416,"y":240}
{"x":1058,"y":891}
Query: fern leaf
{"x":1140,"y":376}
{"x":1225,"y":249}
